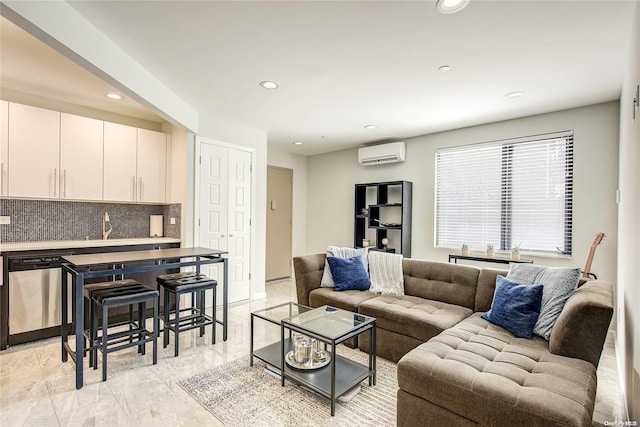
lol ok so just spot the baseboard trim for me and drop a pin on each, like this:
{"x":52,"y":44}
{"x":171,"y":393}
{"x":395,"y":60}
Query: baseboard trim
{"x":621,"y":382}
{"x":259,"y":295}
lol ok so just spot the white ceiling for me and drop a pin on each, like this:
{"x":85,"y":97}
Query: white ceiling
{"x":343,"y":65}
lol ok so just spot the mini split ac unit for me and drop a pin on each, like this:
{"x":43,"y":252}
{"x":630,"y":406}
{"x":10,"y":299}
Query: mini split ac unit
{"x":393,"y":152}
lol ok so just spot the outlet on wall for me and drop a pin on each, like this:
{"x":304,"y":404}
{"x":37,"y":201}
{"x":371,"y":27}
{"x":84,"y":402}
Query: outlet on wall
{"x":5,"y":220}
{"x":172,"y":221}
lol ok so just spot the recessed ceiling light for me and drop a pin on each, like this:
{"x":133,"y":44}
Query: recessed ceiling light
{"x":444,"y":68}
{"x":113,"y":95}
{"x":451,"y":6}
{"x":297,"y":143}
{"x":516,"y":94}
{"x":268,"y":84}
{"x":370,"y":127}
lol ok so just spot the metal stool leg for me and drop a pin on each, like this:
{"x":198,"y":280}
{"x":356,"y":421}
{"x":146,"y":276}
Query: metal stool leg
{"x":165,"y":333}
{"x":213,"y":316}
{"x":142,"y":315}
{"x":93,"y":334}
{"x":176,"y":325}
{"x":105,"y":324}
{"x":156,"y":323}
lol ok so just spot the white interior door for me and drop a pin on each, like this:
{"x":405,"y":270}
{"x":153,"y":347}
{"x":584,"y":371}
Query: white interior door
{"x":239,"y":224}
{"x":224,"y":215}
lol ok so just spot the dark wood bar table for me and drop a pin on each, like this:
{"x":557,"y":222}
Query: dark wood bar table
{"x":81,"y":267}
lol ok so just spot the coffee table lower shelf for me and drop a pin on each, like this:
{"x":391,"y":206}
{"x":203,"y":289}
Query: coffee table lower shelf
{"x":319,"y":380}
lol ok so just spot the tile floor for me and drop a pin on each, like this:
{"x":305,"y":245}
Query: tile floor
{"x":37,"y":389}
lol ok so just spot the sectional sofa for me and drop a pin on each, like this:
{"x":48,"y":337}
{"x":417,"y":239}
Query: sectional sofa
{"x":456,"y":368}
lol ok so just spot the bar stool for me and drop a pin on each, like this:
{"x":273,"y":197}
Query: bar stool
{"x":91,"y":333}
{"x":187,"y":283}
{"x":114,"y":297}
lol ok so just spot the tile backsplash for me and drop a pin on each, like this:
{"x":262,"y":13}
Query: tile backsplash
{"x":42,"y":220}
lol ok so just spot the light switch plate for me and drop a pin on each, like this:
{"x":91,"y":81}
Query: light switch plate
{"x":5,"y":219}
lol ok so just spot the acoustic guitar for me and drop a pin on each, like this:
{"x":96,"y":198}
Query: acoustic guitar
{"x":586,"y":273}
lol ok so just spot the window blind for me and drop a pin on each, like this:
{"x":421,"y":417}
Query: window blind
{"x":509,"y":193}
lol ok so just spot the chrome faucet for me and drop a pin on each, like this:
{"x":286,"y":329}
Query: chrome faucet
{"x":105,"y":232}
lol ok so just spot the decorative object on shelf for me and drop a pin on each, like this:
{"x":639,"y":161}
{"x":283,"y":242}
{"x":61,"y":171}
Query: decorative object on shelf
{"x":490,"y":251}
{"x":365,"y":212}
{"x":386,"y":224}
{"x":306,"y":353}
{"x":366,"y":243}
{"x":384,"y":242}
{"x":515,"y":253}
{"x":465,"y":250}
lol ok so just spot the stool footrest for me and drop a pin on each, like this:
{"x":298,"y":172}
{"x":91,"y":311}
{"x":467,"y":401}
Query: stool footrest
{"x":142,"y":337}
{"x":198,"y":320}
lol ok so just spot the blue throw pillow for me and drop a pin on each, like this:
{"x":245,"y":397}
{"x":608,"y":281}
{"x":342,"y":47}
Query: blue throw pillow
{"x":515,"y":307}
{"x":349,"y":273}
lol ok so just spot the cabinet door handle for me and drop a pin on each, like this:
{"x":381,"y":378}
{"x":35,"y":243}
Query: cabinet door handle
{"x":133,"y":188}
{"x":141,"y":190}
{"x":222,"y":235}
{"x":55,"y":182}
{"x":230,"y":235}
{"x":64,"y":183}
{"x":1,"y":178}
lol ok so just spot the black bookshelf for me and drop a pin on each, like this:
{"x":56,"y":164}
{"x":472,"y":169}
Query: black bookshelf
{"x":382,"y":199}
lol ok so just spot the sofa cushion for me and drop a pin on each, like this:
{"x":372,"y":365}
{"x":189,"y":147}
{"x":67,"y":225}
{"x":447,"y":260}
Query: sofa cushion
{"x":412,"y":316}
{"x":346,"y":300}
{"x":349,"y":273}
{"x":483,"y":373}
{"x":441,"y":281}
{"x":336,"y":251}
{"x":515,"y":307}
{"x":559,"y":283}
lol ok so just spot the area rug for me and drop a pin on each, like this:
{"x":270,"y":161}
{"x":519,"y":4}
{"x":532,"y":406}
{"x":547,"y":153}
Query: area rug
{"x":240,"y":395}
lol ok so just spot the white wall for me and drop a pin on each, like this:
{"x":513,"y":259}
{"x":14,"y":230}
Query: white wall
{"x":628,"y":289}
{"x":299,"y":166}
{"x":331,"y":179}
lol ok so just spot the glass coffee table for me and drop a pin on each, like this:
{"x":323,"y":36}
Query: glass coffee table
{"x":334,"y":375}
{"x":331,"y":326}
{"x":270,"y":354}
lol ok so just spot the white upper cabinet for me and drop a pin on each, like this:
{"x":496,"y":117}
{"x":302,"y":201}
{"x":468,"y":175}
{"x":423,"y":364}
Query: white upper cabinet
{"x":34,"y":152}
{"x":152,"y":166}
{"x":56,"y":155}
{"x":120,"y":178}
{"x":4,"y":146}
{"x":80,"y":157}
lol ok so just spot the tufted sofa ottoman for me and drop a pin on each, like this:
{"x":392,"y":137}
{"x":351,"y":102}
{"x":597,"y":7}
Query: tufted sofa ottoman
{"x":404,"y":322}
{"x":477,"y":373}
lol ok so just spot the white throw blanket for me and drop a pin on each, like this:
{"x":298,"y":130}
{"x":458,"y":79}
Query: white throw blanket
{"x":385,"y":272}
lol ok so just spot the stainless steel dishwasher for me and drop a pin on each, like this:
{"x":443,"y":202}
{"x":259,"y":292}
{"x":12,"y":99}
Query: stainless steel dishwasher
{"x":35,"y":294}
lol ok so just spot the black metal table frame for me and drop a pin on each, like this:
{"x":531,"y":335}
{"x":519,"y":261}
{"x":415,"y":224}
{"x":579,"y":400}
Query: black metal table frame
{"x":255,"y":314}
{"x":333,"y":342}
{"x":85,"y":272}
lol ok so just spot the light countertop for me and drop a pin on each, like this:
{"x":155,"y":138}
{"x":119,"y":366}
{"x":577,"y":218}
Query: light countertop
{"x":69,"y":244}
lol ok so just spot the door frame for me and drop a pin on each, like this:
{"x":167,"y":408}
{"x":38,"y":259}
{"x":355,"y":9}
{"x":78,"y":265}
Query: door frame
{"x":267,"y":280}
{"x":196,"y":201}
